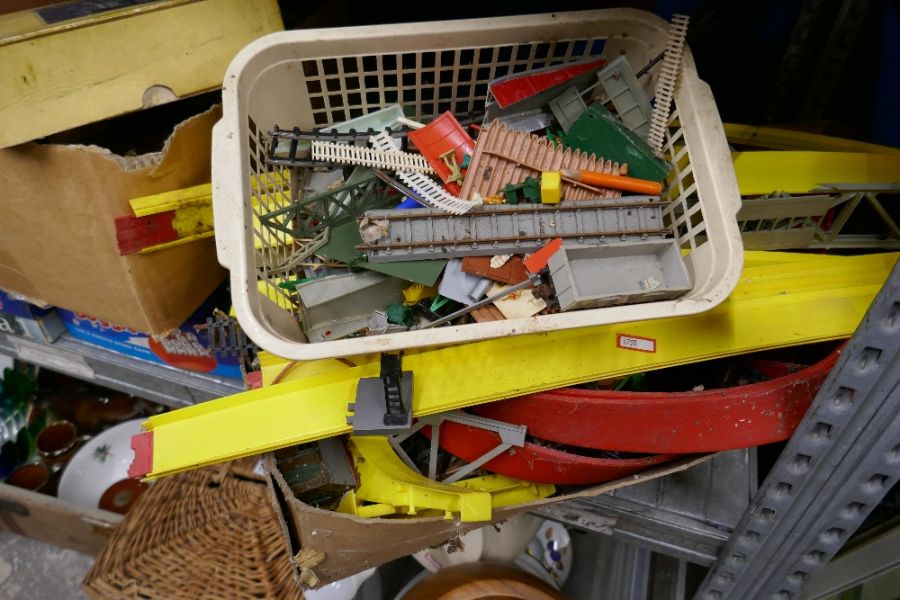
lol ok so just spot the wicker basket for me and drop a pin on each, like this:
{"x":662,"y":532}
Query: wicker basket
{"x":209,"y":533}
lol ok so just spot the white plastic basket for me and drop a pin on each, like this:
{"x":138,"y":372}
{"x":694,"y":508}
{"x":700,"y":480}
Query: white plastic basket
{"x":314,"y":77}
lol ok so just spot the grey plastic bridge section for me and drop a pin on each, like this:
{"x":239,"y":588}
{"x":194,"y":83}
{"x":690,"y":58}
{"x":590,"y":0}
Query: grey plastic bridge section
{"x":841,"y":461}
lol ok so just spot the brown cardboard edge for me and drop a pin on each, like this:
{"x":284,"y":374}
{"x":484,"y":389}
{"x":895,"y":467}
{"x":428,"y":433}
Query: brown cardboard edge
{"x":307,"y":529}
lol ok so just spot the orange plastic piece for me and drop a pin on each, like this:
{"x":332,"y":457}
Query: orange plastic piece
{"x":615,"y":182}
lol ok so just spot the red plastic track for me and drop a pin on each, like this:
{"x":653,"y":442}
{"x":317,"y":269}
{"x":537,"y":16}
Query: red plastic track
{"x":683,"y":422}
{"x":538,"y":463}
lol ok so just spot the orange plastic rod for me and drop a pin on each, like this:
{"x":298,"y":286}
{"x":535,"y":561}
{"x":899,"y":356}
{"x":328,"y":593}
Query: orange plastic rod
{"x":615,"y":182}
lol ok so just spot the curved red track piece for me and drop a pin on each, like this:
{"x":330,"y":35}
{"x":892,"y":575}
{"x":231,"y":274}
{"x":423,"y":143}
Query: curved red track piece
{"x":538,"y":463}
{"x":655,"y":422}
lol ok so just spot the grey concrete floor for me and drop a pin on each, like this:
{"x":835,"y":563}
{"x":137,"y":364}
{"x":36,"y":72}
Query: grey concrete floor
{"x":32,"y":569}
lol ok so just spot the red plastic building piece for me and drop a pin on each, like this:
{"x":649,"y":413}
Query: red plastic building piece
{"x":660,"y":422}
{"x":534,"y":462}
{"x":516,"y":88}
{"x":142,"y":444}
{"x":512,"y":272}
{"x":436,"y":141}
{"x":539,"y":259}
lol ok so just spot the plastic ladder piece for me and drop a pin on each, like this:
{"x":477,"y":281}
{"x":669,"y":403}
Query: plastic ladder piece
{"x":837,"y":467}
{"x":346,"y":154}
{"x":385,"y":479}
{"x":534,"y":462}
{"x":667,"y":80}
{"x":771,"y":307}
{"x":426,"y":188}
{"x":657,"y":422}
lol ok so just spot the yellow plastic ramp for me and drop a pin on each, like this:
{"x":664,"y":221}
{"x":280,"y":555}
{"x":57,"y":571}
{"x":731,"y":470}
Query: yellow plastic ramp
{"x":775,"y":304}
{"x":765,"y":172}
{"x":786,"y":139}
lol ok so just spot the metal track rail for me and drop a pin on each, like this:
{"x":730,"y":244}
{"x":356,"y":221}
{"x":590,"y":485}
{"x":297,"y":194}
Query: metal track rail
{"x":843,"y":458}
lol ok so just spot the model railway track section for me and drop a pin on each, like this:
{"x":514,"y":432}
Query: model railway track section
{"x":506,"y":229}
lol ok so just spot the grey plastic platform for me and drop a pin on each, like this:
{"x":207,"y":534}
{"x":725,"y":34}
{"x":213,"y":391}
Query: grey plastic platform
{"x":334,"y":307}
{"x":621,"y":273}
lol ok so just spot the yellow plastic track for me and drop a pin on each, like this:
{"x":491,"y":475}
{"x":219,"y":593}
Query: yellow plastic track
{"x":797,"y":172}
{"x":775,"y":304}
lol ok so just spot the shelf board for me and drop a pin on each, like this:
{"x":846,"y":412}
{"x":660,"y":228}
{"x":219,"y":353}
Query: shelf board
{"x":159,"y":383}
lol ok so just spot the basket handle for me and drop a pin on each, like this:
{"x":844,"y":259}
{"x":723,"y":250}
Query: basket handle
{"x":227,"y":175}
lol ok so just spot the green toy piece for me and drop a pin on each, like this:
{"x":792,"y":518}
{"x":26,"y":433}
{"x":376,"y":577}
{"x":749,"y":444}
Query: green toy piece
{"x":598,"y":132}
{"x":399,"y":314}
{"x":530,"y":190}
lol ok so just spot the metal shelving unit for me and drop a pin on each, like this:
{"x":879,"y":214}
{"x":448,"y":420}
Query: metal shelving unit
{"x":172,"y":387}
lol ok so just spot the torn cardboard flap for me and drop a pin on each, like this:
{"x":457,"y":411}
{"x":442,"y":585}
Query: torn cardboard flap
{"x":345,"y":541}
{"x":58,"y":239}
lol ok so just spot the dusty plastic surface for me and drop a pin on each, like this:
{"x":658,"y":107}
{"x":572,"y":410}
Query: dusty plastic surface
{"x":275,"y":80}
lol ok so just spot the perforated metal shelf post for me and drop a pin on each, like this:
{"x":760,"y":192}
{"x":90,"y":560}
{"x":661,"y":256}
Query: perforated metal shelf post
{"x":841,"y":461}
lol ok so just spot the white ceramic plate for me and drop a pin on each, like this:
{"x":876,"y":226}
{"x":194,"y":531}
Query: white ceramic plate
{"x":101,"y":462}
{"x":435,"y":559}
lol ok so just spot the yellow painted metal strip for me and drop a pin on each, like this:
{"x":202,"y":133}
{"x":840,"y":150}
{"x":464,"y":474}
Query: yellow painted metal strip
{"x":773,"y":306}
{"x":786,"y":139}
{"x":766,"y":172}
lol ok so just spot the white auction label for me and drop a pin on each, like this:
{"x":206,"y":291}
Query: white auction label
{"x":633,"y":342}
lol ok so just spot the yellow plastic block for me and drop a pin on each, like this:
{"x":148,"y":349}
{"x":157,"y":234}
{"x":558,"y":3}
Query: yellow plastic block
{"x":775,"y":304}
{"x":417,"y":292}
{"x":385,"y":480}
{"x":551,"y":187}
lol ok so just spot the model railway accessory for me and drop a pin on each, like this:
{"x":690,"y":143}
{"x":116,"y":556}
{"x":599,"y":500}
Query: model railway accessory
{"x":683,"y":422}
{"x":770,"y":308}
{"x":615,"y":182}
{"x":425,"y":188}
{"x":319,"y":474}
{"x":445,"y":144}
{"x":505,"y":229}
{"x":519,"y":99}
{"x":503,"y":155}
{"x":597,"y":131}
{"x":334,"y":307}
{"x":626,"y":95}
{"x":621,"y":273}
{"x":667,"y":80}
{"x":344,"y":154}
{"x":383,"y":404}
{"x":535,"y":462}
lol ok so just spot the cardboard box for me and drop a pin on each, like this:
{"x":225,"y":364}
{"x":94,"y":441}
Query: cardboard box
{"x":185,"y":348}
{"x":22,"y":318}
{"x":326,"y":546}
{"x":58,"y":239}
{"x":78,"y":62}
